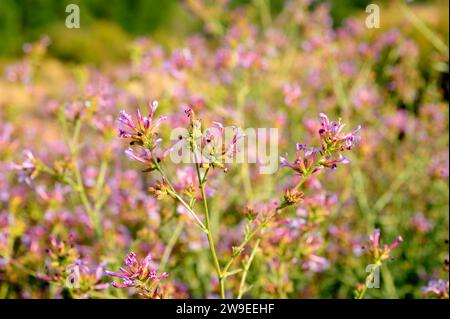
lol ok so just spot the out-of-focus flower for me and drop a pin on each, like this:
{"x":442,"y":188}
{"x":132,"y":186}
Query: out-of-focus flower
{"x":139,"y":275}
{"x":28,"y":169}
{"x":68,"y":270}
{"x":437,"y":288}
{"x":179,"y":61}
{"x":292,"y":197}
{"x":20,"y":71}
{"x":223,"y":58}
{"x":247,"y":59}
{"x":365,"y":97}
{"x":420,"y":223}
{"x":316,"y":263}
{"x":159,"y":190}
{"x":292,"y":93}
{"x":381,"y":253}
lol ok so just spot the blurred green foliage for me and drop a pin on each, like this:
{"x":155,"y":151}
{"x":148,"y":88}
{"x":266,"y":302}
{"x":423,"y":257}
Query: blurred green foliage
{"x":26,"y":20}
{"x":108,"y":25}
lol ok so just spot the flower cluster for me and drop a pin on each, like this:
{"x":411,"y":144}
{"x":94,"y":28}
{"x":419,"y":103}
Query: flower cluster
{"x":379,"y":252}
{"x":212,"y":147}
{"x":69,"y":271}
{"x":144,"y":144}
{"x":334,"y":143}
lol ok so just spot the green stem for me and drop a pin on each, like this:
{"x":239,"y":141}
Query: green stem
{"x":172,"y":241}
{"x":174,"y":193}
{"x":369,"y":278}
{"x":247,"y":265}
{"x":93,"y":215}
{"x":304,"y":178}
{"x":248,"y":238}
{"x":212,"y":249}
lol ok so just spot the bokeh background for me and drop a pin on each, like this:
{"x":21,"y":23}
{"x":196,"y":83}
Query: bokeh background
{"x":304,"y":57}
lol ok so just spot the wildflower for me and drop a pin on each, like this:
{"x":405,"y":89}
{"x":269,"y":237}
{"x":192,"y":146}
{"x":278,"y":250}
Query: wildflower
{"x":420,"y":223}
{"x":292,"y":197}
{"x":333,"y":139}
{"x":216,"y":145}
{"x":67,"y":269}
{"x":138,"y":275}
{"x":144,"y":145}
{"x":439,"y":288}
{"x":381,"y":253}
{"x":146,"y":157}
{"x":62,"y":251}
{"x":144,"y":131}
{"x":292,"y":93}
{"x":179,"y":61}
{"x":333,"y":162}
{"x":28,"y":170}
{"x":221,"y":150}
{"x":159,"y":190}
{"x":316,"y":263}
{"x":250,"y":213}
{"x":304,"y":161}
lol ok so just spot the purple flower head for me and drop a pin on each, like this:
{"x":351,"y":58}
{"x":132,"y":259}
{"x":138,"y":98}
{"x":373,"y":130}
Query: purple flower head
{"x":138,"y":274}
{"x":304,"y":159}
{"x":144,"y":126}
{"x":333,"y":139}
{"x":292,"y":93}
{"x":438,"y":288}
{"x":180,"y":61}
{"x":144,"y":136}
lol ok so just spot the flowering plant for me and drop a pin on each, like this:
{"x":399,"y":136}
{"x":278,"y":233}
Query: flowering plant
{"x":281,"y":140}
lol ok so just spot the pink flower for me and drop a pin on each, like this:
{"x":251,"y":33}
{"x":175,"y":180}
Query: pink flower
{"x":437,"y":287}
{"x":138,"y":274}
{"x":379,"y":252}
{"x":292,"y":93}
{"x":304,"y":159}
{"x":332,"y":136}
{"x":144,"y":145}
{"x":420,"y":223}
{"x":334,"y":142}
